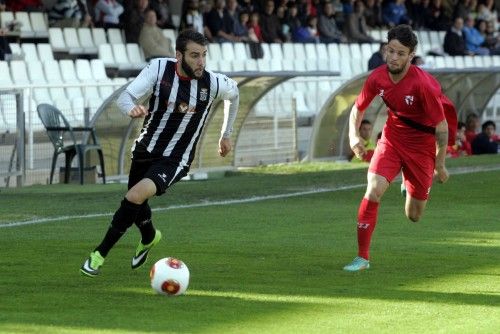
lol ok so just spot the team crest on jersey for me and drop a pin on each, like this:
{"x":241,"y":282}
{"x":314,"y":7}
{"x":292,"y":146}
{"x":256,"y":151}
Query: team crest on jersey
{"x":203,"y":94}
{"x":409,"y":99}
{"x":381,"y":93}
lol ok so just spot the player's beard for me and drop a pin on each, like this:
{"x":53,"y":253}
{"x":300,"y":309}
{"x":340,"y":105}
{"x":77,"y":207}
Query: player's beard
{"x":396,"y":71}
{"x":189,"y":70}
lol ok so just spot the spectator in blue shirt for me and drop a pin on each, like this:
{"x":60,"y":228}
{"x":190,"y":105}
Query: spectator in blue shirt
{"x":395,"y":13}
{"x":473,"y":38}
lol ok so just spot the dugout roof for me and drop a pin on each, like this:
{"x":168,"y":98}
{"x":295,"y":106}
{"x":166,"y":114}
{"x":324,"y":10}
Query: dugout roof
{"x":470,"y":89}
{"x":117,"y":133}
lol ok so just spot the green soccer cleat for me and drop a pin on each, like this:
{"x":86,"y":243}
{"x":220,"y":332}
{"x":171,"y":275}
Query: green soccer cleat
{"x":91,"y":266}
{"x":357,"y":264}
{"x":141,"y":254}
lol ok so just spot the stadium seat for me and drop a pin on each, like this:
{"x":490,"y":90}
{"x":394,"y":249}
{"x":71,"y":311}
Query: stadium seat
{"x":135,"y":55}
{"x":251,"y":65}
{"x":115,"y":36}
{"x":121,"y":58}
{"x":227,"y":51}
{"x":5,"y":78}
{"x":266,"y":50}
{"x":53,"y":77}
{"x":17,"y":52}
{"x":56,"y":40}
{"x":333,"y":51}
{"x":496,"y":60}
{"x":105,"y":54}
{"x":214,"y":52}
{"x":30,"y":52}
{"x":35,"y":72}
{"x":439,"y":62}
{"x":487,"y":61}
{"x":459,"y":61}
{"x":39,"y":24}
{"x":309,"y":51}
{"x":479,"y":61}
{"x":288,"y":50}
{"x":287,"y":64}
{"x":241,"y":51}
{"x":276,"y":65}
{"x":71,"y":41}
{"x":26,"y":29}
{"x":237,"y":65}
{"x":312,"y":64}
{"x":18,"y":73}
{"x":84,"y":74}
{"x":212,"y":65}
{"x":323,"y":64}
{"x":375,"y":33}
{"x":6,"y":18}
{"x":99,"y":36}
{"x":44,"y":52}
{"x":321,"y":51}
{"x":70,"y":77}
{"x":86,"y":41}
{"x":8,"y":113}
{"x":170,"y":34}
{"x":225,"y":66}
{"x":264,"y":65}
{"x":98,"y":70}
{"x":276,"y":51}
{"x":299,"y":65}
{"x":469,"y":61}
{"x":449,"y":62}
{"x":344,"y":51}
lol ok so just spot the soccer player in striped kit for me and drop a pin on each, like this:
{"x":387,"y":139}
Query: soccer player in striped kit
{"x":183,"y":93}
{"x":414,"y":138}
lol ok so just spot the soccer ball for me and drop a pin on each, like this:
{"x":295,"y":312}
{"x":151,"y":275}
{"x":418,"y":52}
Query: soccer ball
{"x":169,"y":276}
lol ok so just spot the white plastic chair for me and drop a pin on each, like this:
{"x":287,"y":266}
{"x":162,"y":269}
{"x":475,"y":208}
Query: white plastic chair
{"x":71,"y":40}
{"x":39,"y":24}
{"x":120,"y":55}
{"x":99,"y":36}
{"x":30,"y":52}
{"x":276,"y":51}
{"x":135,"y":55}
{"x":5,"y":78}
{"x":241,"y":51}
{"x":56,"y":39}
{"x":5,"y":18}
{"x":115,"y":36}
{"x":251,"y":65}
{"x":105,"y":54}
{"x":214,"y":51}
{"x":98,"y":70}
{"x":44,"y":52}
{"x":86,"y":41}
{"x":26,"y":29}
{"x":288,"y":50}
{"x":18,"y":72}
{"x":264,"y":65}
{"x":35,"y":72}
{"x":299,"y":51}
{"x":17,"y":52}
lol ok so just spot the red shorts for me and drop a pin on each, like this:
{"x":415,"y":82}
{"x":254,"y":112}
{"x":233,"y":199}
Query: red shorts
{"x":417,"y":168}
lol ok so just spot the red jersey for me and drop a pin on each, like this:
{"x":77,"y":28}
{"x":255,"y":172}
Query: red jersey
{"x":416,"y":97}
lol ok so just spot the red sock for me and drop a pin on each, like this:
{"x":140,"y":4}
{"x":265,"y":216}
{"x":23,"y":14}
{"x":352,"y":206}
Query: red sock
{"x":367,"y":219}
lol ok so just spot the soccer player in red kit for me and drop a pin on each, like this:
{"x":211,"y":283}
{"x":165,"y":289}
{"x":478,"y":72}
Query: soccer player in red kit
{"x":414,"y":138}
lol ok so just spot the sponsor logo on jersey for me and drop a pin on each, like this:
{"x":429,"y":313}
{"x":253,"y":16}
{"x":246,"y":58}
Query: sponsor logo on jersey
{"x":381,"y":93}
{"x":409,"y":99}
{"x":203,"y":94}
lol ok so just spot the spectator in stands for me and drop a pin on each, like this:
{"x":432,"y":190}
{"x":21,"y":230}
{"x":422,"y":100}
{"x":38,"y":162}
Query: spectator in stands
{"x":163,"y":13}
{"x":3,"y":7}
{"x":254,"y":30}
{"x":395,"y":13}
{"x":192,"y":18}
{"x":486,"y":11}
{"x":307,"y":33}
{"x":473,"y":38}
{"x":365,"y":133}
{"x":463,"y":9}
{"x":133,"y":19}
{"x":419,"y":12}
{"x":151,"y":39}
{"x":355,"y":28}
{"x":270,"y":24}
{"x":292,"y":21}
{"x":220,"y":25}
{"x":329,"y":32}
{"x":461,"y":147}
{"x":378,"y":58}
{"x":24,"y":5}
{"x":454,"y":41}
{"x":107,"y":13}
{"x":373,"y":14}
{"x":233,"y":10}
{"x":241,"y":26}
{"x":69,"y":13}
{"x":492,"y":38}
{"x":418,"y":61}
{"x":438,"y":19}
{"x":249,"y":6}
{"x":486,"y":142}
{"x":472,"y":124}
{"x":5,"y":51}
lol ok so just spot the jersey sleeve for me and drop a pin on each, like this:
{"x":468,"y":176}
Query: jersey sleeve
{"x":145,"y":80}
{"x":431,"y":99}
{"x":228,"y":88}
{"x":367,"y":93}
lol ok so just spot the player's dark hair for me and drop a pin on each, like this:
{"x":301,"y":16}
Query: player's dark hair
{"x":488,"y":123}
{"x":365,"y":121}
{"x":405,"y":35}
{"x":189,"y":35}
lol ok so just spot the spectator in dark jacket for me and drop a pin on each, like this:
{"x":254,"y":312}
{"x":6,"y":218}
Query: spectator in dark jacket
{"x":220,"y":24}
{"x":133,"y":19}
{"x":329,"y":32}
{"x":454,"y":42}
{"x":486,"y":142}
{"x":270,"y":25}
{"x":378,"y":58}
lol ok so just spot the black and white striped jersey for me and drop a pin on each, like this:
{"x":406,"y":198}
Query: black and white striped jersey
{"x":179,"y":108}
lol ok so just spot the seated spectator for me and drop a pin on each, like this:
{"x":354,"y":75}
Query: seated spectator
{"x":5,"y":51}
{"x":454,"y":41}
{"x":241,"y":26}
{"x":378,"y":58}
{"x":474,"y":39}
{"x":219,"y":24}
{"x":365,"y":132}
{"x":132,"y":19}
{"x":472,"y":124}
{"x":163,"y":14}
{"x":151,"y":39}
{"x":69,"y":13}
{"x":270,"y":25}
{"x":329,"y":32}
{"x":107,"y":13}
{"x":3,"y":7}
{"x":307,"y":33}
{"x":292,"y":21}
{"x":492,"y":38}
{"x":192,"y":18}
{"x":438,"y":19}
{"x":355,"y":28}
{"x":486,"y":142}
{"x":461,"y":147}
{"x":24,"y":5}
{"x":394,"y":13}
{"x":463,"y":9}
{"x":373,"y":14}
{"x":418,"y":61}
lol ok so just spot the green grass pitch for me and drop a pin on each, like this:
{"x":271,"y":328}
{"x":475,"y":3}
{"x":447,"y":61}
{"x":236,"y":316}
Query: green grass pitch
{"x":259,"y":264}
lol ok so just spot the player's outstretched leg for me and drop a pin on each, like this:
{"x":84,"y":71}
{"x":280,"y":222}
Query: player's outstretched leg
{"x":142,"y":251}
{"x":91,"y":266}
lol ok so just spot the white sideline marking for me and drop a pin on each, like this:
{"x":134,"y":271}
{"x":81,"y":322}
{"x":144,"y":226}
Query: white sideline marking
{"x":187,"y":206}
{"x":455,"y":171}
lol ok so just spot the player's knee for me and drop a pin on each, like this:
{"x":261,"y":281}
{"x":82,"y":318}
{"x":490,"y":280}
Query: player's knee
{"x":134,"y":196}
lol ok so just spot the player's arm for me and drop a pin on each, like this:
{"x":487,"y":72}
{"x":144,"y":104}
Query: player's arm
{"x":230,"y":93}
{"x":355,"y":141}
{"x":441,"y":145}
{"x":142,"y":84}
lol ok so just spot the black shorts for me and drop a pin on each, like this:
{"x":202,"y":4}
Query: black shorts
{"x":162,"y":171}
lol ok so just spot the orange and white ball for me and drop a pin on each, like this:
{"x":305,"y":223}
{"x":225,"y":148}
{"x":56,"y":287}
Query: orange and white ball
{"x":169,"y":276}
